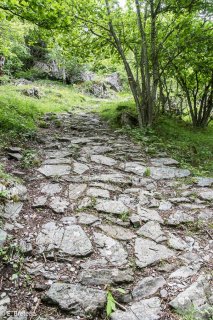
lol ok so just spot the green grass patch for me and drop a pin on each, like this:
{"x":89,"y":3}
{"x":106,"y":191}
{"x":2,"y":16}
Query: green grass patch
{"x":193,"y":148}
{"x":20,"y":114}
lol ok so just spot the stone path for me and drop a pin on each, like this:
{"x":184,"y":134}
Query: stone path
{"x":97,"y":215}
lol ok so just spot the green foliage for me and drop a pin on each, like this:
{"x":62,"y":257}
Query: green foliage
{"x":111,"y":304}
{"x":13,"y":256}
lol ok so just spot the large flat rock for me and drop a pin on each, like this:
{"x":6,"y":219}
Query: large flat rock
{"x":96,"y":277}
{"x":148,"y":252}
{"x":68,"y":239}
{"x":55,"y":170}
{"x":107,"y":161}
{"x":195,"y":296}
{"x":148,"y":309}
{"x":111,"y":206}
{"x":111,"y":249}
{"x":76,"y":299}
{"x":117,"y":232}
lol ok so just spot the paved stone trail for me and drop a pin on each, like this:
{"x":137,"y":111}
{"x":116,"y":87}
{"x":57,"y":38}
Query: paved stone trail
{"x":97,"y":215}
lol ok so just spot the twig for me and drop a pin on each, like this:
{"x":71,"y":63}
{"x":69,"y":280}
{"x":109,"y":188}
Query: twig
{"x":45,"y":260}
{"x":120,"y":306}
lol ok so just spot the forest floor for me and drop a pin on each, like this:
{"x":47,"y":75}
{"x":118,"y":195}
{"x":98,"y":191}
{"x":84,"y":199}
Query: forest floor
{"x":91,"y":217}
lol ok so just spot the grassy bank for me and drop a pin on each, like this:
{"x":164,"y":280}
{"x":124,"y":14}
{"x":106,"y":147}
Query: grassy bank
{"x":19,"y":114}
{"x":192,"y":147}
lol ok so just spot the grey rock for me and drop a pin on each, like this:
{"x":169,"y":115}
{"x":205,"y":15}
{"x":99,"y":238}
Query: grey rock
{"x":103,"y":160}
{"x":111,"y":206}
{"x":55,"y":170}
{"x":71,"y":240}
{"x":87,"y":219}
{"x":164,"y":162}
{"x":68,"y":220}
{"x":39,"y":202}
{"x":58,"y":204}
{"x":76,"y":299}
{"x":194,"y":296}
{"x":176,"y":242}
{"x":18,"y":191}
{"x":135,"y":220}
{"x":147,"y":287}
{"x":206,"y":195}
{"x":149,"y":214}
{"x":152,"y":230}
{"x":110,"y":178}
{"x":16,"y":156}
{"x":148,"y":309}
{"x":3,"y":237}
{"x":179,"y":217}
{"x":147,"y":252}
{"x":76,"y":190}
{"x":159,"y":173}
{"x":134,"y":167}
{"x":98,"y":193}
{"x":4,"y":302}
{"x":204,"y":182}
{"x":80,"y":168}
{"x":51,"y":188}
{"x":186,"y":271}
{"x":105,"y":276}
{"x":11,"y":210}
{"x":165,"y":205}
{"x":117,"y":232}
{"x":114,"y":81}
{"x":111,"y":249}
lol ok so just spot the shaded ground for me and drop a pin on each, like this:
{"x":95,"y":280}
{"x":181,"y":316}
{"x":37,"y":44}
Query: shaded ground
{"x":97,"y":215}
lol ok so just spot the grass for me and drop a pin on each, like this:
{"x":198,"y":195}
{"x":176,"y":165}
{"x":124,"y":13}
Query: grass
{"x":19,"y":114}
{"x":193,"y":148}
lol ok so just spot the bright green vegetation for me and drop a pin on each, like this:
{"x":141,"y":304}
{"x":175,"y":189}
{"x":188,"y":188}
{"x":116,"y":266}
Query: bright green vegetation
{"x":19,"y":114}
{"x":192,"y":147}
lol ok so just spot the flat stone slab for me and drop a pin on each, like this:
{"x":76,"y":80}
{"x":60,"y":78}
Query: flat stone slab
{"x":98,"y":193}
{"x":179,"y":217}
{"x":147,"y":287}
{"x":152,"y":230}
{"x":159,"y":173}
{"x":111,"y":206}
{"x":111,"y":249}
{"x":195,"y":296}
{"x":204,"y":182}
{"x":80,"y":168}
{"x":185,"y":271}
{"x":176,"y":243}
{"x":134,"y":167}
{"x":148,"y":309}
{"x":55,"y":170}
{"x":76,"y":299}
{"x":11,"y":210}
{"x":109,"y":178}
{"x":206,"y":195}
{"x":76,"y":190}
{"x":149,"y":214}
{"x":164,"y":162}
{"x":69,"y":239}
{"x":107,"y":161}
{"x":87,"y":219}
{"x":58,"y":204}
{"x":97,"y":277}
{"x":147,"y":252}
{"x":51,"y":188}
{"x":117,"y":232}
